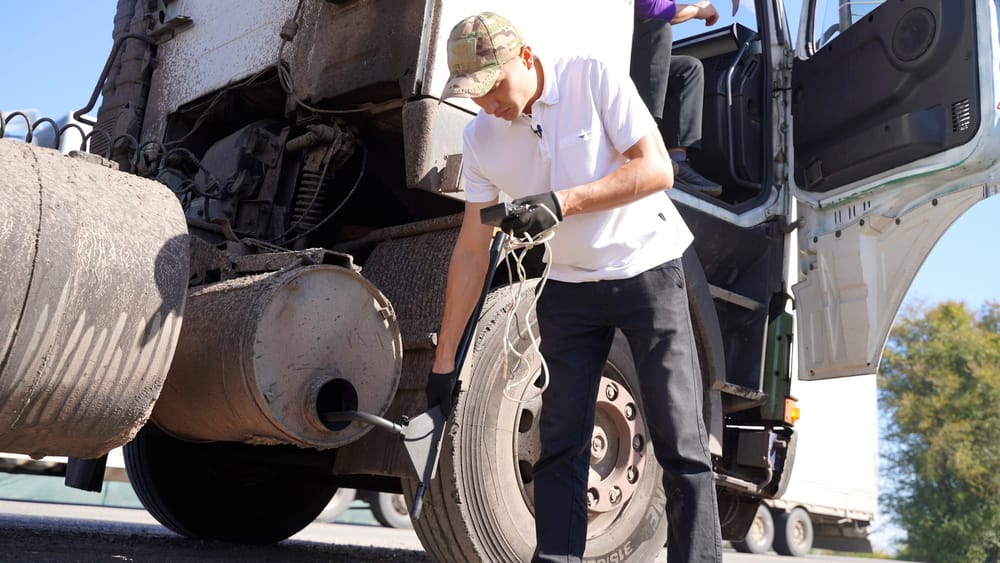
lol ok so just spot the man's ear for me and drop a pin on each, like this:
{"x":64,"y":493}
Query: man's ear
{"x":527,"y":57}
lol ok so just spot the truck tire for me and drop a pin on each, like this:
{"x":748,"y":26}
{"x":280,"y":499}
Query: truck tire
{"x":479,"y":506}
{"x":338,"y":505}
{"x":761,"y":533}
{"x":227,"y":491}
{"x":390,"y":510}
{"x":793,"y":533}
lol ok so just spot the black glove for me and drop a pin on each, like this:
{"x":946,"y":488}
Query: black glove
{"x":533,"y":220}
{"x":442,"y":390}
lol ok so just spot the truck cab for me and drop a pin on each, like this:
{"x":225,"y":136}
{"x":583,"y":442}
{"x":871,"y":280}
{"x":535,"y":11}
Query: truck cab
{"x":319,"y":179}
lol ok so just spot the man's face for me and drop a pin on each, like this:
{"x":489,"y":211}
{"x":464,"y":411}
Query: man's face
{"x":512,"y":91}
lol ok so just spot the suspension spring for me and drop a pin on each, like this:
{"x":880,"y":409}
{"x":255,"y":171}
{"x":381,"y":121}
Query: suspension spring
{"x":310,"y":201}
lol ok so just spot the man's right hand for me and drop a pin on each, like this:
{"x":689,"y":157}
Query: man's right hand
{"x":541,"y":213}
{"x":707,"y":12}
{"x":442,"y":391}
{"x":701,"y":10}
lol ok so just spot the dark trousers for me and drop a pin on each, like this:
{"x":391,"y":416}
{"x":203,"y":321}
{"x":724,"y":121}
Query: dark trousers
{"x":577,"y":323}
{"x":673,"y":87}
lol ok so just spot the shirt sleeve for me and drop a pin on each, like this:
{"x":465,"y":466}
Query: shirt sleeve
{"x":478,"y":189}
{"x":660,"y":9}
{"x":625,"y":117}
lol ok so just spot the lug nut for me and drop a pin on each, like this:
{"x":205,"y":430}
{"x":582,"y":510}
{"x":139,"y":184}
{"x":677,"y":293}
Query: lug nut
{"x":611,"y":392}
{"x":637,"y":442}
{"x":615,"y":495}
{"x":597,"y":446}
{"x":632,"y":474}
{"x":592,"y":497}
{"x":630,"y":412}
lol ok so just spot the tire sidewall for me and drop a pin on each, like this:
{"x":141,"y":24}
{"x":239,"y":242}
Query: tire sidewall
{"x":799,"y":549}
{"x":750,"y":544}
{"x":785,"y":524}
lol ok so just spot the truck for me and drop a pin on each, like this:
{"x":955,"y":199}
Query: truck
{"x":832,"y":496}
{"x":258,"y":231}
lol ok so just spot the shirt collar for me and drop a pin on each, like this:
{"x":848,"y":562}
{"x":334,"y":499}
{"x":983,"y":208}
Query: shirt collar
{"x":550,"y":87}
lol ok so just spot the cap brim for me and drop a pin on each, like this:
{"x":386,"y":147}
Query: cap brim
{"x":471,"y":85}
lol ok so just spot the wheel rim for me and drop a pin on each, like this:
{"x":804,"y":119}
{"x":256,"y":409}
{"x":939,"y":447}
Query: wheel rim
{"x":797,"y":535}
{"x":758,"y":531}
{"x":618,"y":446}
{"x":399,"y":505}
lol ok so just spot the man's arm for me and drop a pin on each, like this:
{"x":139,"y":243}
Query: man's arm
{"x":647,"y":171}
{"x":702,"y":10}
{"x":466,"y":271}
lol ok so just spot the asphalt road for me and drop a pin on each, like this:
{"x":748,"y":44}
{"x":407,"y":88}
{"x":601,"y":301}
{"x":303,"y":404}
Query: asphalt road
{"x":41,"y":532}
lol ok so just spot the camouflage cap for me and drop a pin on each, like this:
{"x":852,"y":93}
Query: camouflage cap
{"x":477,"y":47}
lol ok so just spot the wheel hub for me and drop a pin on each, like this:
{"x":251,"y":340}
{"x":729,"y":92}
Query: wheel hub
{"x":617,"y":449}
{"x":757,"y":532}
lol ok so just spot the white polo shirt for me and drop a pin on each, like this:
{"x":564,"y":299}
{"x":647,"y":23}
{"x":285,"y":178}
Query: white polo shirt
{"x":588,"y":117}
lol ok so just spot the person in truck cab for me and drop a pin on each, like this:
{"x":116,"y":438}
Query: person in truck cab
{"x":574,"y":142}
{"x":673,"y":87}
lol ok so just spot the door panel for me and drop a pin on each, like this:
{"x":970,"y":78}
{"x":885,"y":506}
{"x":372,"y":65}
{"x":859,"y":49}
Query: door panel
{"x":862,"y":275}
{"x":898,"y":85}
{"x":896,"y":134}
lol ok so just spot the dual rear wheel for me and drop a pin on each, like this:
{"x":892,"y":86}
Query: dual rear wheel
{"x":789,"y":533}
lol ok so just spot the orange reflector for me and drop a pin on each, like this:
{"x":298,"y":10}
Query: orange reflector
{"x":791,"y":411}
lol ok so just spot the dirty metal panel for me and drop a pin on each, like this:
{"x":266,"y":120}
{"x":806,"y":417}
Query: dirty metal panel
{"x":358,"y":44}
{"x":227,"y":41}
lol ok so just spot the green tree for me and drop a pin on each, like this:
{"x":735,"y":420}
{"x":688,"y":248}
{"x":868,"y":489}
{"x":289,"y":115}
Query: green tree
{"x":940,"y":386}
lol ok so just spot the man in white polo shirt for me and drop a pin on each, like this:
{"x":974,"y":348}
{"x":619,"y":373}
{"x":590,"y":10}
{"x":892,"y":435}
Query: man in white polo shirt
{"x":574,"y":141}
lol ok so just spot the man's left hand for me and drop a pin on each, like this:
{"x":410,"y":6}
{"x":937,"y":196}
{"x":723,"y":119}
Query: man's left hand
{"x":542,"y":213}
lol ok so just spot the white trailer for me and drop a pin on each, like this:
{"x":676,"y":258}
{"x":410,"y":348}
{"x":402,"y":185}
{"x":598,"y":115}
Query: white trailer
{"x":832,"y":496}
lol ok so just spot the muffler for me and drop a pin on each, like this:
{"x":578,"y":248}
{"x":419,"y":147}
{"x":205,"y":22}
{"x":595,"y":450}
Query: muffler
{"x":260,"y":357}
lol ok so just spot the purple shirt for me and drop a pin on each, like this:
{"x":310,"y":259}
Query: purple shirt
{"x":661,"y":9}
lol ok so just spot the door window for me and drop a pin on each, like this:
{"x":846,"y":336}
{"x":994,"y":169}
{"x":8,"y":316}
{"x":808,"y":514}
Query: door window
{"x":830,"y":18}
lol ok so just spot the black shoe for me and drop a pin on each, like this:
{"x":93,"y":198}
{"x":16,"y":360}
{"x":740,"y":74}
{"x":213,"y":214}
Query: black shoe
{"x":689,"y":178}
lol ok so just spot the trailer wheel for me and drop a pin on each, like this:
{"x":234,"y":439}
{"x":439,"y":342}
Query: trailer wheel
{"x":760,"y":535}
{"x":390,"y":510}
{"x":338,"y":505}
{"x":227,"y":491}
{"x":480,"y":507}
{"x":793,"y":533}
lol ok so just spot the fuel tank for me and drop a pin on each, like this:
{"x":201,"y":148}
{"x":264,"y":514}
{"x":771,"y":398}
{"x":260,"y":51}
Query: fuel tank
{"x":94,"y":270}
{"x":260,"y":356}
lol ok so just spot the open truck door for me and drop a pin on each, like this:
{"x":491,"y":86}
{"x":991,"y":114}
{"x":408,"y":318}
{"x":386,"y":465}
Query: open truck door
{"x":896,"y":133}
